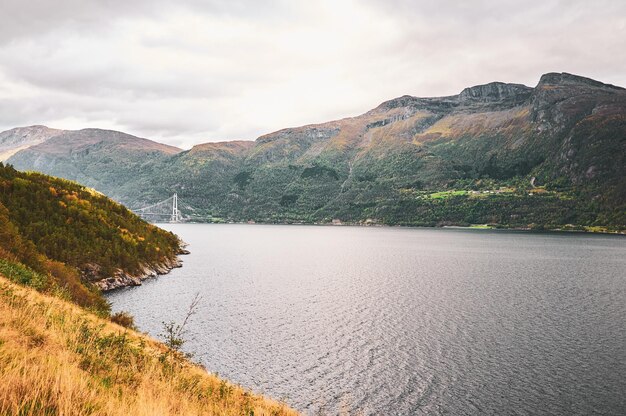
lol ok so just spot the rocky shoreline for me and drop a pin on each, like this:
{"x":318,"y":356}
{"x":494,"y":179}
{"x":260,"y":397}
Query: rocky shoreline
{"x":122,"y":279}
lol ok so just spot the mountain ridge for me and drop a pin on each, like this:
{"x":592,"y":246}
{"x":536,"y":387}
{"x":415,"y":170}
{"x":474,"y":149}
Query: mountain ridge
{"x":567,"y":133}
{"x":491,"y":90}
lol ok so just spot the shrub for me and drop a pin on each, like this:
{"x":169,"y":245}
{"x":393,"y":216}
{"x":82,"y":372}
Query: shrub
{"x":124,"y":319}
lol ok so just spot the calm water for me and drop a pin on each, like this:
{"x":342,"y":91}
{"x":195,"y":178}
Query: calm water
{"x":402,"y":321}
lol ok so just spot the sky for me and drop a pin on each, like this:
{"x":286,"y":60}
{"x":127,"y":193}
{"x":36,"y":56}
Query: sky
{"x":193,"y":71}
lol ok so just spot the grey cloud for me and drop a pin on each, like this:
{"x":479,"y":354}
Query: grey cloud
{"x":113,"y":80}
{"x":510,"y":40}
{"x":158,"y":68}
{"x":24,"y":18}
{"x":59,"y":57}
{"x":482,"y":11}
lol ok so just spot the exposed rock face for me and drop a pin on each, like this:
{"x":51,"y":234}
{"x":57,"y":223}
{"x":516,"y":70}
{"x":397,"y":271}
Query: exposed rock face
{"x":496,"y":92}
{"x":122,"y":279}
{"x":563,"y":78}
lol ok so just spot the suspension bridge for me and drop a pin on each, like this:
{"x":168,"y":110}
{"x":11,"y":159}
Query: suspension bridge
{"x":163,"y":211}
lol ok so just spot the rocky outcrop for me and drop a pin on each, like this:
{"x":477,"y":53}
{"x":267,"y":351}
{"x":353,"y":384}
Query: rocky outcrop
{"x":122,"y":279}
{"x":496,"y":92}
{"x":564,"y":78}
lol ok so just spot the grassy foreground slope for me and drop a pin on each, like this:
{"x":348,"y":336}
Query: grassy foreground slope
{"x":59,"y":352}
{"x":58,"y":359}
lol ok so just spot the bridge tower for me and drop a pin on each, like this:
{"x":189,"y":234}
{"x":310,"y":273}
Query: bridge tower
{"x":175,"y":213}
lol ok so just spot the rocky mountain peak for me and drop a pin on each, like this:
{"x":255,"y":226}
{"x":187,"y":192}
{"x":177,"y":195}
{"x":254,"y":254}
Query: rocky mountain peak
{"x":404,"y":101}
{"x":489,"y":95}
{"x":496,"y":91}
{"x":566,"y":79}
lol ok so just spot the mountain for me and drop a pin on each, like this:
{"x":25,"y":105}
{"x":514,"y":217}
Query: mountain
{"x":20,"y":138}
{"x":101,"y":159}
{"x":551,"y":156}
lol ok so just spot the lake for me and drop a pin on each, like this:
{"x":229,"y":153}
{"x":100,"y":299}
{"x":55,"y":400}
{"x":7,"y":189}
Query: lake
{"x":402,"y":321}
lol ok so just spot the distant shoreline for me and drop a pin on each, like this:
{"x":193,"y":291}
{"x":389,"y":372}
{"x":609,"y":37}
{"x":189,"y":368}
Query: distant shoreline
{"x":377,"y":225}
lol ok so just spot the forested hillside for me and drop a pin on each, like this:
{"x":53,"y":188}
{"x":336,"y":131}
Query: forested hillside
{"x":552,"y":156}
{"x":58,"y":235}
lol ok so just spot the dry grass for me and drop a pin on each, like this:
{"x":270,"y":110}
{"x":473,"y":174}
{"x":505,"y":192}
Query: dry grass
{"x":57,"y":359}
{"x":508,"y":123}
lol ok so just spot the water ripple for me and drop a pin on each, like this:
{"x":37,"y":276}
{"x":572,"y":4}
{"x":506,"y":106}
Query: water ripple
{"x":399,"y":321}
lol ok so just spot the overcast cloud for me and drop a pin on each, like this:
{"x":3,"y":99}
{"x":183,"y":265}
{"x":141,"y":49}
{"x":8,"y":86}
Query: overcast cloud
{"x":193,"y":71}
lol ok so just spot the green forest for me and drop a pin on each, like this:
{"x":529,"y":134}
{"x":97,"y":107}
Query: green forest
{"x":56,"y":235}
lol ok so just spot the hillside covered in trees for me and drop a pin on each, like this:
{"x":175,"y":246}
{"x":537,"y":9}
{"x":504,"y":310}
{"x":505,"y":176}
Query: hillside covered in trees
{"x":508,"y":155}
{"x":58,"y":235}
